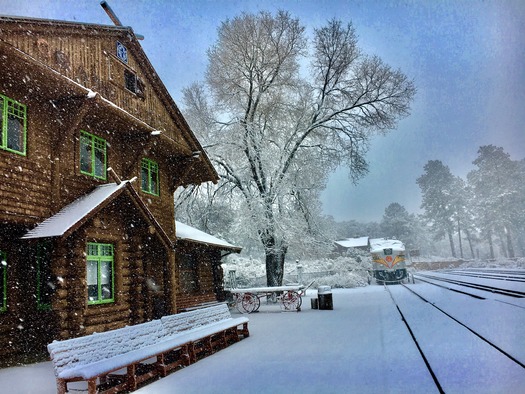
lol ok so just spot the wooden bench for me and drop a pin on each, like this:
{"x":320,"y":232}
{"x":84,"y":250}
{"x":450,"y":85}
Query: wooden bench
{"x":206,"y":329}
{"x":121,"y":359}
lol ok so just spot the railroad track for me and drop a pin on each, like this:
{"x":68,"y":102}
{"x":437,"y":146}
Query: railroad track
{"x":505,"y":275}
{"x":497,"y":285}
{"x":413,"y":302}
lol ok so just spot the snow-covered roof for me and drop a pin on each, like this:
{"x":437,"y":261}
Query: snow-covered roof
{"x":58,"y":224}
{"x":383,"y":243}
{"x":353,"y":242}
{"x":188,"y":233}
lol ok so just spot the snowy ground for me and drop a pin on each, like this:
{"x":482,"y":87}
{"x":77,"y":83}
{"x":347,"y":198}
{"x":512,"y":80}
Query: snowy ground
{"x":362,"y":346}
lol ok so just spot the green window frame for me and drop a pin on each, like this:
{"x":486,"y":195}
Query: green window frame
{"x":44,"y":278}
{"x":149,"y":174}
{"x":13,"y":125}
{"x":93,"y":155}
{"x":3,"y":282}
{"x":100,"y":273}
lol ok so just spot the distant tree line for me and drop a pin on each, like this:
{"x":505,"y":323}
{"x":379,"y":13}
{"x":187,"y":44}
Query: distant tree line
{"x":484,"y":212}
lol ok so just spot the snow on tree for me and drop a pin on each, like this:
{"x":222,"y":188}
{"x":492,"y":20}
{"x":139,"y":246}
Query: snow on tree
{"x":439,"y":190}
{"x":498,"y":187}
{"x":397,"y":223}
{"x":277,"y":114}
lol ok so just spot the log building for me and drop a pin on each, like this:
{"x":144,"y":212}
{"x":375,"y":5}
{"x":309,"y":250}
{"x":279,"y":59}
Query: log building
{"x":92,"y":148}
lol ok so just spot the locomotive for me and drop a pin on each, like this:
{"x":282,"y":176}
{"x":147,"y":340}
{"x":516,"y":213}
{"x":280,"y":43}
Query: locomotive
{"x":388,"y":260}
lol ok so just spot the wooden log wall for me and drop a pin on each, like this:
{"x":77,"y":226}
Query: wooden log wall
{"x":96,"y":66}
{"x":76,"y":317}
{"x":203,"y":259}
{"x":24,"y":189}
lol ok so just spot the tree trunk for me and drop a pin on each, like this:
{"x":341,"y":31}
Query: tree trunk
{"x":469,"y":239}
{"x":459,"y":239}
{"x":510,"y":247}
{"x":451,"y":241}
{"x":275,"y":251}
{"x":489,"y":238}
{"x":275,"y":266}
{"x":521,"y":238}
{"x":503,"y":247}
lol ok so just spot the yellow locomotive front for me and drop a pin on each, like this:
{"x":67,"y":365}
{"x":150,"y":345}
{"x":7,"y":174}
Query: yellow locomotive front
{"x":388,"y":260}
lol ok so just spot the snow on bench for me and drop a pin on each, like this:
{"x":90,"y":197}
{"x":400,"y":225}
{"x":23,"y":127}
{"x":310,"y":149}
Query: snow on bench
{"x":200,"y":306}
{"x":145,"y":350}
{"x":206,"y":329}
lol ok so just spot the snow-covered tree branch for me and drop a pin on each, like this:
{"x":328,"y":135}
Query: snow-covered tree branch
{"x":277,"y":116}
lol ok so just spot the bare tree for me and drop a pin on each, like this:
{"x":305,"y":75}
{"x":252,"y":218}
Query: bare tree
{"x":276,"y":125}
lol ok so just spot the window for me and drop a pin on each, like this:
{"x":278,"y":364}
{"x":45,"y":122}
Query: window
{"x":189,"y":273}
{"x":100,"y":277}
{"x":44,"y":279}
{"x":122,"y":52}
{"x":92,"y":155}
{"x":150,"y":177}
{"x":130,"y":81}
{"x":13,"y":125}
{"x":133,"y":83}
{"x":3,"y":282}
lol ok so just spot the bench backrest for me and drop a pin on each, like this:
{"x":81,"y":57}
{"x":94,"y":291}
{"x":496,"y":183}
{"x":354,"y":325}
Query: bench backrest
{"x":181,"y":322}
{"x":76,"y":352}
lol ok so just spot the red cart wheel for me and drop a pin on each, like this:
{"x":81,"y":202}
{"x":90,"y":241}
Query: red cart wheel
{"x":248,"y":303}
{"x":291,"y":301}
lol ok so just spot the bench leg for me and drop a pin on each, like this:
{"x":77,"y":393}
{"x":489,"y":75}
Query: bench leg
{"x":191,"y":352}
{"x":208,"y":346}
{"x":132,"y":377}
{"x":233,"y":335}
{"x":186,"y":354}
{"x":61,"y":386}
{"x":92,"y":386}
{"x":245,"y":331}
{"x":161,"y":365}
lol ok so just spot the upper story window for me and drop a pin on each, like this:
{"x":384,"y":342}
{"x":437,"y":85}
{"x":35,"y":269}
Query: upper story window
{"x":3,"y":282}
{"x":149,"y":175}
{"x":13,"y":122}
{"x":133,"y":83}
{"x":130,"y":81}
{"x":93,"y":155}
{"x":100,"y":277}
{"x":123,"y":75}
{"x":44,"y":279}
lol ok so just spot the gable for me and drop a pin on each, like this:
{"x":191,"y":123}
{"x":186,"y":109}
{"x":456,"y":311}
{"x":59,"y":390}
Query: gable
{"x":73,"y":216}
{"x":108,"y":61}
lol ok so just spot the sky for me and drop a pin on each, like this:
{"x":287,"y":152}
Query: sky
{"x":466,"y":58}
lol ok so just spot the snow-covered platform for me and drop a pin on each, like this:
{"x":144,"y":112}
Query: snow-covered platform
{"x":362,"y":346}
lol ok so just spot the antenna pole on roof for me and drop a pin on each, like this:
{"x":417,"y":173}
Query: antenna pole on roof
{"x":114,"y":17}
{"x":110,"y":13}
